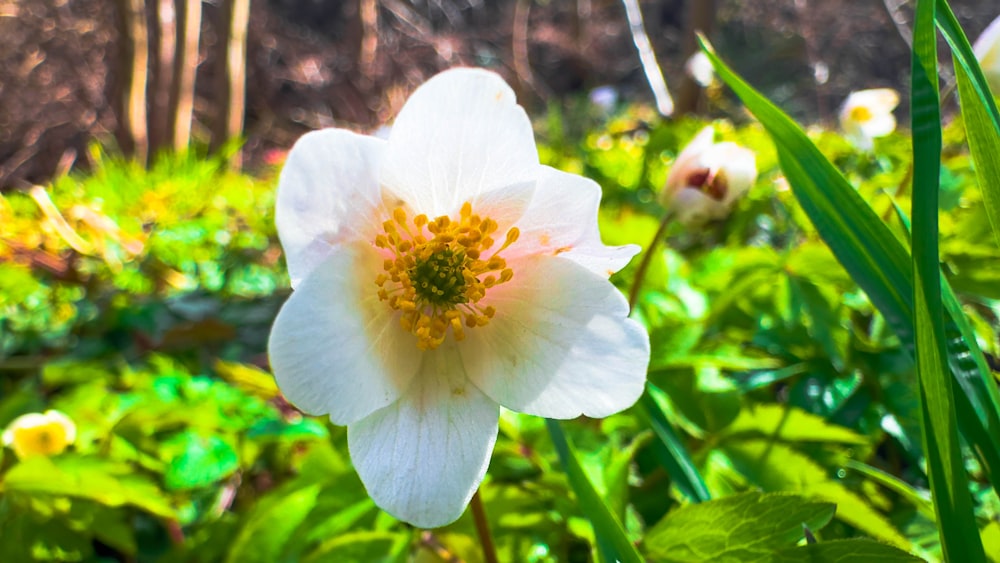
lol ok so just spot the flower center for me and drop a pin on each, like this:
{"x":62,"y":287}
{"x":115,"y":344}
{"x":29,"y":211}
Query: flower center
{"x":861,"y":114}
{"x":437,"y":273}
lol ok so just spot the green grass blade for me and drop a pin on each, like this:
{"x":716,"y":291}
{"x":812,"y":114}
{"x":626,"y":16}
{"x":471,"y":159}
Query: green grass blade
{"x":949,"y":483}
{"x":968,"y":363}
{"x":611,"y":538}
{"x":979,"y":111}
{"x":671,"y":451}
{"x":872,"y":255}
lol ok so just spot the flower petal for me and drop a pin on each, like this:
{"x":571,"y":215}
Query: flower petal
{"x":459,"y":136}
{"x":738,"y":166}
{"x":327,"y":193}
{"x":879,"y":126}
{"x":560,"y":345}
{"x":335,"y":348}
{"x":423,"y":457}
{"x":687,"y":162}
{"x":562,"y":220}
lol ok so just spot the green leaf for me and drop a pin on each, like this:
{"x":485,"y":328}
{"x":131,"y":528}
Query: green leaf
{"x":611,"y":538}
{"x":270,"y":524}
{"x":362,"y":546}
{"x":979,"y":112}
{"x":775,"y":466}
{"x":790,"y":424}
{"x":741,"y":528}
{"x":844,"y":551}
{"x":671,"y":451}
{"x":106,"y":482}
{"x":202,"y":461}
{"x":945,"y":470}
{"x":920,"y":499}
{"x":873,"y":256}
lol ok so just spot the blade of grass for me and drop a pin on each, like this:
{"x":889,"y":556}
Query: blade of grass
{"x":960,"y":339}
{"x":949,"y":483}
{"x":873,"y":257}
{"x":671,"y":451}
{"x":979,"y":112}
{"x":611,"y":539}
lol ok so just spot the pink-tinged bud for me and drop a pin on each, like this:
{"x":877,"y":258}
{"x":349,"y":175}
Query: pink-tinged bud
{"x":867,"y":114}
{"x":987,"y":50}
{"x":707,"y":178}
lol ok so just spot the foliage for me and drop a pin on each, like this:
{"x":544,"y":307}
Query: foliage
{"x":783,"y":419}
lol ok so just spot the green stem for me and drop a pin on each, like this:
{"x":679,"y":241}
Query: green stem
{"x":483,"y":529}
{"x":640,"y":274}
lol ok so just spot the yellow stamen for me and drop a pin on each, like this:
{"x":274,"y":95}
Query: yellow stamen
{"x":436,"y":272}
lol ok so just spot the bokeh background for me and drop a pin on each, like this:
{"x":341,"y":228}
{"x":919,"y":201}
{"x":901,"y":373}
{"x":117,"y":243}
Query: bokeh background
{"x":72,"y":71}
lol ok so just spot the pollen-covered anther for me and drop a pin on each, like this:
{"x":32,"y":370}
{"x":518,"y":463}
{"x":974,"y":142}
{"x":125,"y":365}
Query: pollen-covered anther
{"x":439,"y":270}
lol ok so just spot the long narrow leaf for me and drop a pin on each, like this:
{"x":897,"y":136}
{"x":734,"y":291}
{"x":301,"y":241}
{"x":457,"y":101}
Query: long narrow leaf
{"x":611,"y":539}
{"x":872,"y":255}
{"x":672,"y":453}
{"x":979,"y":111}
{"x":949,"y":483}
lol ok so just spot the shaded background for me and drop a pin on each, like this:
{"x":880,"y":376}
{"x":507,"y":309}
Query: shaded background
{"x":65,"y":64}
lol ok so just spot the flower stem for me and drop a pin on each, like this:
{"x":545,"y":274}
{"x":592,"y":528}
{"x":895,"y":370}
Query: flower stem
{"x":483,"y":529}
{"x":640,"y":274}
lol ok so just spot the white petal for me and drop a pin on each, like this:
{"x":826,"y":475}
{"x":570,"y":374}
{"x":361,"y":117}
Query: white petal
{"x":562,"y":220}
{"x":686,"y":163}
{"x":560,"y":345}
{"x":879,"y":126}
{"x":460,"y":135}
{"x":335,"y":348}
{"x":877,"y":100}
{"x":693,"y":208}
{"x":987,"y":49}
{"x":737,"y":164}
{"x":326,"y":195}
{"x":422,"y":458}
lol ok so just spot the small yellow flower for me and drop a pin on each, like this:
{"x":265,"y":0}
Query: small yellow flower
{"x":40,"y":434}
{"x":867,"y":114}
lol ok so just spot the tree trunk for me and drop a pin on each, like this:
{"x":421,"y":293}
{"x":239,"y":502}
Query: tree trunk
{"x":185,"y":69}
{"x":162,"y":43}
{"x":232,"y":86}
{"x":133,"y":70}
{"x":700,"y":17}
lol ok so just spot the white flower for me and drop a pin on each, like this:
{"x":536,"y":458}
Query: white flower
{"x":439,"y":275}
{"x":707,"y":178}
{"x":699,"y":67}
{"x":987,"y":50}
{"x":37,"y":434}
{"x":867,"y":114}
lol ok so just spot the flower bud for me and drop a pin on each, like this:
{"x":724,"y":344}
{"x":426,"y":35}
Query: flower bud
{"x":699,"y":67}
{"x":867,"y":114}
{"x":707,"y":178}
{"x":987,"y":50}
{"x":40,"y":434}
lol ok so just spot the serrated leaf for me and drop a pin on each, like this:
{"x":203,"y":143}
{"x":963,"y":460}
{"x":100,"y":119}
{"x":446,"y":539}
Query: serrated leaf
{"x":776,"y":466}
{"x":202,"y":461}
{"x":741,"y":528}
{"x":790,"y":424}
{"x":844,"y":551}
